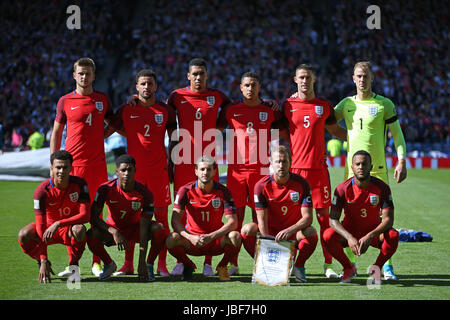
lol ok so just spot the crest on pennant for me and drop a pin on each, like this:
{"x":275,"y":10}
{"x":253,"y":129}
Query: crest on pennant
{"x":211,"y":100}
{"x":159,"y":118}
{"x":373,"y":110}
{"x":263,"y":116}
{"x":273,"y":255}
{"x":215,"y":203}
{"x":99,"y":105}
{"x":74,"y":196}
{"x":374,"y":199}
{"x":135,"y":205}
{"x":319,"y":110}
{"x":295,"y":196}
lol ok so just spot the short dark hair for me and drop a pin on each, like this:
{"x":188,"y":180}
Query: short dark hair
{"x":362,"y":153}
{"x":251,"y":74}
{"x":305,"y":66}
{"x":61,"y":155}
{"x":198,"y":62}
{"x":125,"y":158}
{"x":145,"y":73}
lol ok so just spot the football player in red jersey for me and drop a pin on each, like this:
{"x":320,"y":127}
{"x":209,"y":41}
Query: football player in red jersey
{"x":205,"y":202}
{"x":197,"y":108}
{"x":61,"y":206}
{"x":362,"y":197}
{"x":145,"y":125}
{"x":307,"y":117}
{"x":130,"y":212}
{"x":250,"y":122}
{"x":85,"y":112}
{"x":284,"y":210}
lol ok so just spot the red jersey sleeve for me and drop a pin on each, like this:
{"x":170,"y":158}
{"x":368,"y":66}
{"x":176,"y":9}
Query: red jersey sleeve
{"x":222,"y":121}
{"x":181,"y":199}
{"x":117,"y":120}
{"x":331,"y":117}
{"x":61,"y":116}
{"x":147,"y":201}
{"x":171,"y":116}
{"x":228,"y":202}
{"x":259,"y":196}
{"x":40,"y":196}
{"x":338,"y":201}
{"x":109,"y":114}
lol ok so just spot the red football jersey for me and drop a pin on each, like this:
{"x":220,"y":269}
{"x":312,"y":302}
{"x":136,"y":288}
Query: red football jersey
{"x":204,"y":210}
{"x":251,"y":127}
{"x":69,"y":206}
{"x":362,"y":206}
{"x":197,"y":113}
{"x":307,"y":120}
{"x":124,"y":208}
{"x":145,"y":128}
{"x":283,"y":202}
{"x":84,"y":116}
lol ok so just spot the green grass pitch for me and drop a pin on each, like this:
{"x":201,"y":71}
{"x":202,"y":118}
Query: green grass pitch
{"x":421,"y":203}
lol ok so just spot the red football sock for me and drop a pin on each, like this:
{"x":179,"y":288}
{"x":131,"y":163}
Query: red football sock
{"x":249,"y":244}
{"x":31,"y":248}
{"x":180,"y":253}
{"x":98,"y":249}
{"x":129,"y":253}
{"x":388,"y":247}
{"x":324,"y":225}
{"x":306,"y":247}
{"x":229,"y":252}
{"x":77,"y":249}
{"x":335,"y":248}
{"x":157,"y":244}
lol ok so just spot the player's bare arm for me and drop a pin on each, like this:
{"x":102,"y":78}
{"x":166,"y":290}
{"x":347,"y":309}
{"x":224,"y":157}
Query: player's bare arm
{"x":337,"y":131}
{"x":56,"y":136}
{"x":50,"y":231}
{"x":339,"y":228}
{"x":178,"y":227}
{"x":400,"y":146}
{"x":261,"y":215}
{"x":385,"y":225}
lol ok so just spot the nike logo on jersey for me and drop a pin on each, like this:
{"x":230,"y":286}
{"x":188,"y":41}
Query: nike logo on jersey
{"x":112,"y":201}
{"x":52,"y":203}
{"x":192,"y":202}
{"x":133,"y":117}
{"x":351,"y":110}
{"x":184,"y":101}
{"x":73,"y":108}
{"x":237,"y":114}
{"x":294,"y":110}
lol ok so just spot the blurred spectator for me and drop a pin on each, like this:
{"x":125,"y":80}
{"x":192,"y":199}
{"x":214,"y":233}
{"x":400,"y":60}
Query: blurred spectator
{"x":36,"y":140}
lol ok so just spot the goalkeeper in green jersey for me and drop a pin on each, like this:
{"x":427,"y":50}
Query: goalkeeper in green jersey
{"x":367,"y":116}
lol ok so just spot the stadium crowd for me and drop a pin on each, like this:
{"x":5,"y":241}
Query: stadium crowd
{"x":409,"y":54}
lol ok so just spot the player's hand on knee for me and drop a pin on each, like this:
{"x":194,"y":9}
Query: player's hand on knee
{"x":354,"y":245}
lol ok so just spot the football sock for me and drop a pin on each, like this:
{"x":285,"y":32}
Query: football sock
{"x":334,"y":247}
{"x":161,"y":215}
{"x":157,"y":244}
{"x":180,"y":253}
{"x":388,"y":247}
{"x":249,"y":244}
{"x":98,"y":249}
{"x":129,"y":253}
{"x":306,"y":247}
{"x":77,"y":249}
{"x":229,"y":252}
{"x":324,"y":225}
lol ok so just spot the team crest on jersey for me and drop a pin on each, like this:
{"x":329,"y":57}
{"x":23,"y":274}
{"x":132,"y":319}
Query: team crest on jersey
{"x":99,"y":105}
{"x":215,"y":203}
{"x":373,"y":110}
{"x":263,"y":116}
{"x":159,"y":118}
{"x":295,"y":196}
{"x":319,"y":110}
{"x":74,"y":196}
{"x":135,"y":205}
{"x":211,"y":100}
{"x":374,"y":199}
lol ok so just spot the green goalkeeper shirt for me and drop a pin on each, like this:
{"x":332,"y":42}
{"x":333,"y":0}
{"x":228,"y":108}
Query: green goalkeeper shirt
{"x":367,"y":123}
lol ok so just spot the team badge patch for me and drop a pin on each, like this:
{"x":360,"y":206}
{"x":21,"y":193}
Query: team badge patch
{"x":373,"y":110}
{"x":215,"y":203}
{"x":295,"y":196}
{"x":159,"y":118}
{"x":319,"y":110}
{"x":211,"y":100}
{"x":99,"y":105}
{"x":74,"y":196}
{"x":374,"y":199}
{"x":273,"y":255}
{"x":263,"y":116}
{"x":135,"y":205}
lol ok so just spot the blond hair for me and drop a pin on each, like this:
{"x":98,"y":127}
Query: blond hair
{"x":364,"y":65}
{"x":84,"y":62}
